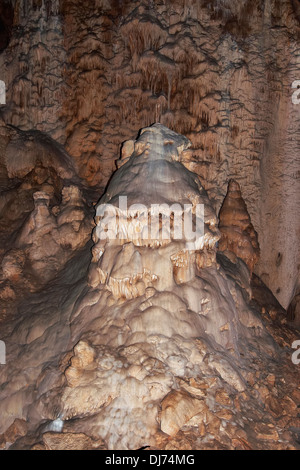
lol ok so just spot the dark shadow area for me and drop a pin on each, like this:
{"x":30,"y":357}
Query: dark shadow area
{"x":6,"y":23}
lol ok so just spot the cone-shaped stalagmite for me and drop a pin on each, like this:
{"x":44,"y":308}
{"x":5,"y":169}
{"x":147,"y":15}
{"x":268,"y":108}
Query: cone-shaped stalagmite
{"x":237,"y":232}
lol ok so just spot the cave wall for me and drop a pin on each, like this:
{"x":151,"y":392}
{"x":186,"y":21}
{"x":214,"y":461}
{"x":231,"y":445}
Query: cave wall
{"x":91,"y":73}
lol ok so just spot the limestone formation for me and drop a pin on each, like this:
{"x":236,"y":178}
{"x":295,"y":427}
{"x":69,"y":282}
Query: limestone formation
{"x":47,"y":241}
{"x":162,"y":199}
{"x":44,"y":214}
{"x":131,"y":315}
{"x":237,"y":233}
{"x":155,"y":343}
{"x":219,"y":72}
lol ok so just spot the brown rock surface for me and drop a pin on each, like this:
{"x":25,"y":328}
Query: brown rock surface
{"x":70,"y":441}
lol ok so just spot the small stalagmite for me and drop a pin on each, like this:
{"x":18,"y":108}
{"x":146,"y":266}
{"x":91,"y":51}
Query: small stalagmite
{"x":237,"y":232}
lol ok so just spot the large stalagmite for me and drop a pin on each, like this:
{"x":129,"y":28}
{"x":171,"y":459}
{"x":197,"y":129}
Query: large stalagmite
{"x":156,"y":344}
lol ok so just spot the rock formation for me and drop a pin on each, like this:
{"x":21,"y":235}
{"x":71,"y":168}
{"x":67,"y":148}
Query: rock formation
{"x":237,"y":233}
{"x":123,"y":296}
{"x":44,"y":214}
{"x":152,"y":340}
{"x":219,"y":72}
